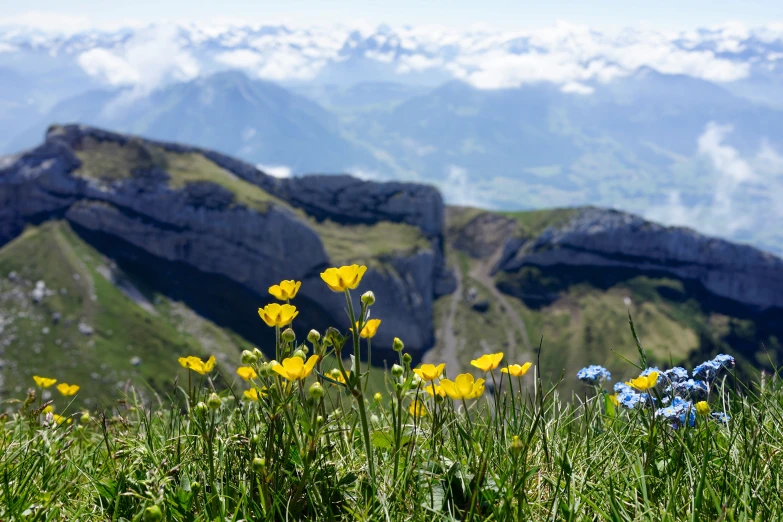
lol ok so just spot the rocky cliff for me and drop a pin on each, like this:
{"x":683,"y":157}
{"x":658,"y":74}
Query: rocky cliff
{"x":615,"y":242}
{"x":187,"y":217}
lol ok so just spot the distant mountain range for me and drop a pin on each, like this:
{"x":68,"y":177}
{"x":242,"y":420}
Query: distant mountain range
{"x":684,"y":128}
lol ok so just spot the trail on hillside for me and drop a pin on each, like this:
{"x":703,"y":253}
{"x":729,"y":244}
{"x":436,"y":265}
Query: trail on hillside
{"x":482,"y":272}
{"x":451,"y":343}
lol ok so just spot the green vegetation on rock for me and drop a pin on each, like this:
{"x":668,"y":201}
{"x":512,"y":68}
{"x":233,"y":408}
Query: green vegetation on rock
{"x":90,"y":326}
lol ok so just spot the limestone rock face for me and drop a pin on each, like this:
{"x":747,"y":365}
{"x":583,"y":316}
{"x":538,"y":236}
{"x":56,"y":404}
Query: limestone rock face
{"x":205,"y":226}
{"x":600,"y":238}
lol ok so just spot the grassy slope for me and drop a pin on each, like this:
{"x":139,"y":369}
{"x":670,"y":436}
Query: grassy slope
{"x":122,"y":329}
{"x":585,"y":325}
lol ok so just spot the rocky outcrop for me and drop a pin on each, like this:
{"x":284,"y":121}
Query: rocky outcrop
{"x":203,"y":226}
{"x":612,"y":240}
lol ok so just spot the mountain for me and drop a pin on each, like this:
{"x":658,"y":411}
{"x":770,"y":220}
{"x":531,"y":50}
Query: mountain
{"x":118,"y":254}
{"x":207,"y":232}
{"x":256,"y":120}
{"x":568,"y":278}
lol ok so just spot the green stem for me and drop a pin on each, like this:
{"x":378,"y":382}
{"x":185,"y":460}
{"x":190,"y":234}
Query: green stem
{"x":358,"y":392}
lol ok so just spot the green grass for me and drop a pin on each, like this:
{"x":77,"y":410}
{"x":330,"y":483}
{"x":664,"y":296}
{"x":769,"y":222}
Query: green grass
{"x":357,"y":243}
{"x":293,"y":456}
{"x":533,"y":222}
{"x":100,"y":363}
{"x":110,"y":161}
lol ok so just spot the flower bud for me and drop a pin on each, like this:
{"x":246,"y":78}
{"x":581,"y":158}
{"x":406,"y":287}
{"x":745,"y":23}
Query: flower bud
{"x":258,"y":465}
{"x":153,"y":514}
{"x":368,"y":298}
{"x":316,"y":391}
{"x":335,"y":374}
{"x":300,"y":354}
{"x":259,"y":354}
{"x":289,"y":335}
{"x":200,"y":409}
{"x":313,"y":336}
{"x":406,"y":358}
{"x":415,"y":381}
{"x":214,"y":401}
{"x":374,"y":419}
{"x":397,"y":345}
{"x":319,"y":420}
{"x":305,"y":349}
{"x":397,"y":370}
{"x":248,"y":357}
{"x":515,"y":446}
{"x":195,"y":487}
{"x":85,"y":418}
{"x":398,"y":387}
{"x":378,"y":397}
{"x":255,"y":439}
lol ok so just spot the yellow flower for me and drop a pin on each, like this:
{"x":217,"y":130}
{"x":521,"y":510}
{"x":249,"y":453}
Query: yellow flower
{"x":59,"y":419}
{"x":343,"y":278}
{"x":67,"y":389}
{"x":702,"y":408}
{"x":463,"y":387}
{"x":197,"y":365}
{"x":278,"y":315}
{"x":488,"y":361}
{"x":644,"y":382}
{"x":435,"y":389}
{"x":417,"y":409}
{"x":254,"y":394}
{"x":517,"y":370}
{"x":48,"y":409}
{"x":370,"y":328}
{"x":337,"y":375}
{"x":614,"y":400}
{"x":43,"y":382}
{"x":246,"y":372}
{"x":429,"y":372}
{"x":294,"y":368}
{"x":285,"y":290}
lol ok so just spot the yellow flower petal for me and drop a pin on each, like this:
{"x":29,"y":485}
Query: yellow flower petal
{"x":488,"y":361}
{"x":278,"y":315}
{"x":285,"y":290}
{"x":343,"y":278}
{"x":370,"y":328}
{"x":429,"y":372}
{"x":246,"y":372}
{"x":67,"y":389}
{"x":517,"y":370}
{"x":43,"y":382}
{"x":702,"y":408}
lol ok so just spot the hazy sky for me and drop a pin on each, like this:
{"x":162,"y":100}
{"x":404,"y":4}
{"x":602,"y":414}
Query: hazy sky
{"x":508,"y":14}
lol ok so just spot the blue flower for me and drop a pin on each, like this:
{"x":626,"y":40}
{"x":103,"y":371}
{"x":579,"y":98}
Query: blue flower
{"x":691,"y":389}
{"x":676,"y":374}
{"x":594,"y":375}
{"x":709,"y":370}
{"x":725,"y":361}
{"x":721,"y":417}
{"x":678,"y":413}
{"x":621,"y":387}
{"x":648,"y":371}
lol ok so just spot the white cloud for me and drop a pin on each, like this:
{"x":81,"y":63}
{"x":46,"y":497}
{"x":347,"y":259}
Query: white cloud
{"x":278,"y":171}
{"x":738,"y":202}
{"x":577,"y":88}
{"x":150,"y":58}
{"x":458,"y":190}
{"x":416,"y":63}
{"x":7,"y":48}
{"x":241,"y":58}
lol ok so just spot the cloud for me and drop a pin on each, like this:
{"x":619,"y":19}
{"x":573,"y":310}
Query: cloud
{"x":241,"y":58}
{"x":150,"y":58}
{"x":577,"y":88}
{"x":278,"y":171}
{"x":744,"y":189}
{"x":49,"y":22}
{"x":458,"y":190}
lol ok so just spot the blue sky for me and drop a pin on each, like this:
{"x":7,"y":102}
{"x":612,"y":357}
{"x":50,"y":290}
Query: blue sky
{"x":522,"y":14}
